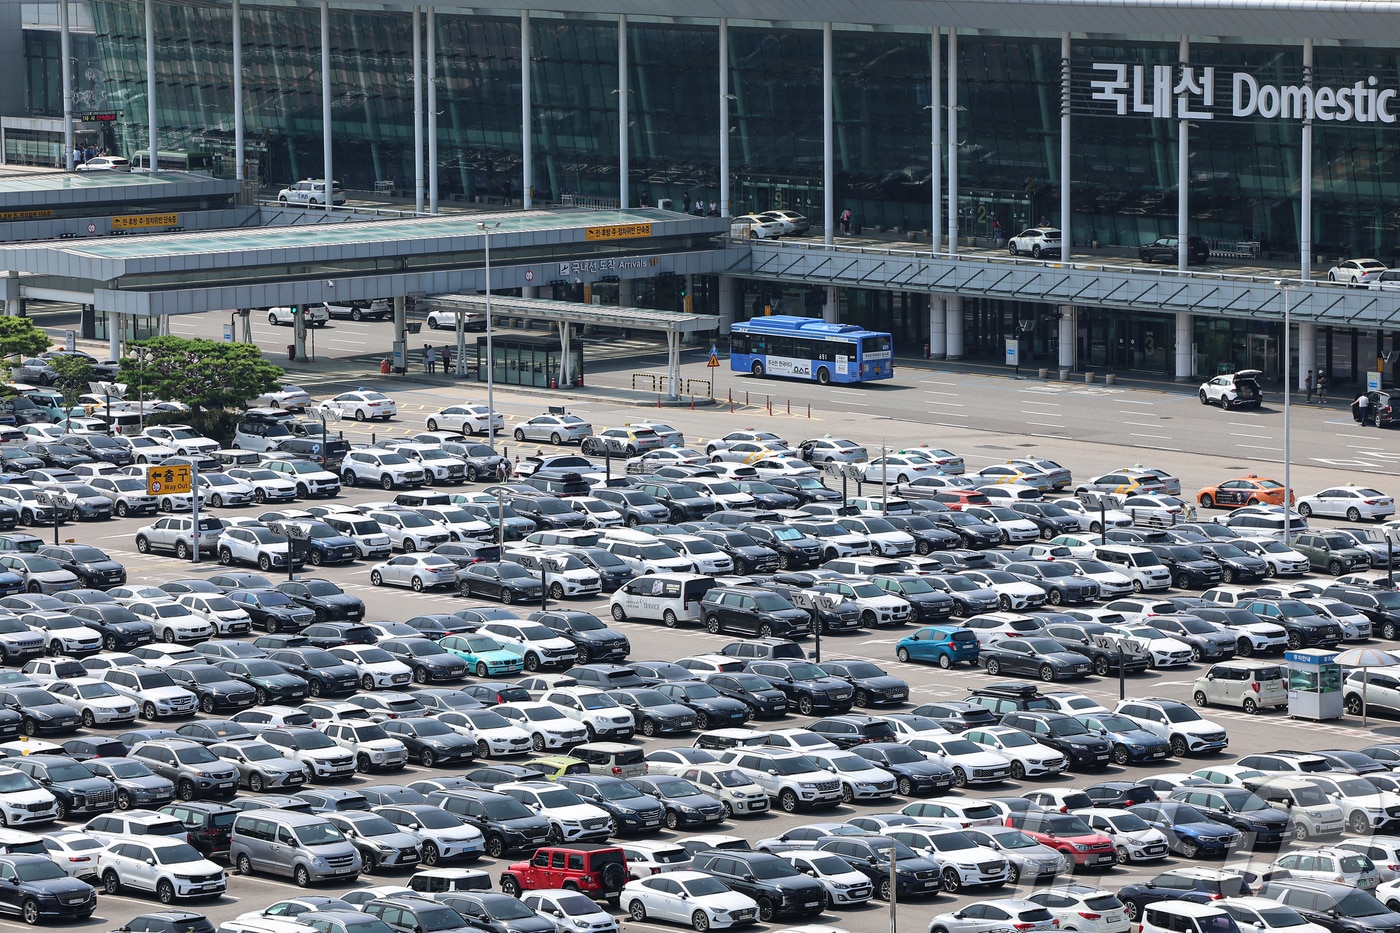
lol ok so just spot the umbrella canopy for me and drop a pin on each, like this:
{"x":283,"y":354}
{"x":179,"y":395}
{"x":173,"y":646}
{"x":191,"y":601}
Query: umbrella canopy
{"x":1366,"y":658}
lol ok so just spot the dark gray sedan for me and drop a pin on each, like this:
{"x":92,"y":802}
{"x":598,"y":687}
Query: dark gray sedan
{"x":1033,"y":657}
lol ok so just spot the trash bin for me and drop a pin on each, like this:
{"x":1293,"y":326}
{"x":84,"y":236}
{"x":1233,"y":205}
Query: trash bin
{"x":291,"y":351}
{"x":1044,"y":374}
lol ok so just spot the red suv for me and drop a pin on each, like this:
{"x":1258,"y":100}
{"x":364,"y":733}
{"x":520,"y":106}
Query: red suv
{"x":598,"y":871}
{"x":1070,"y":835}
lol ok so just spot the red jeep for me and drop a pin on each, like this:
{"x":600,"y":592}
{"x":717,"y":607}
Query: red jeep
{"x":596,"y":870}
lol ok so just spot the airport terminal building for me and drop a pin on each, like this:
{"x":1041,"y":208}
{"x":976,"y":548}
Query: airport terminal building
{"x":940,"y":126}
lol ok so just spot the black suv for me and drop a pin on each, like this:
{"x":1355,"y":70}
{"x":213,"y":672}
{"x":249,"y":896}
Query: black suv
{"x":807,"y":686}
{"x":1083,"y":748}
{"x":1338,"y":907}
{"x":847,"y":732}
{"x":1382,"y":607}
{"x":594,"y":640}
{"x":752,"y":610}
{"x":1165,"y":249}
{"x":1190,"y":568}
{"x":507,"y":824}
{"x":169,"y":921}
{"x":1261,"y":824}
{"x":914,"y":874}
{"x":778,"y":887}
{"x":794,"y":548}
{"x":210,"y":825}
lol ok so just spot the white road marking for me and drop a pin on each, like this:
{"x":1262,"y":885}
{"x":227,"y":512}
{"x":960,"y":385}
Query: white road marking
{"x":937,"y":382}
{"x":1128,"y":401}
{"x":1045,"y":424}
{"x":951,"y":404}
{"x":1034,"y":402}
{"x":1257,"y":447}
{"x":935,"y":392}
{"x":1163,"y":437}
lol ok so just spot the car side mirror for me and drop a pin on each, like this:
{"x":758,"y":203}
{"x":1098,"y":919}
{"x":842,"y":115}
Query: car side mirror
{"x":748,"y":878}
{"x":150,"y":861}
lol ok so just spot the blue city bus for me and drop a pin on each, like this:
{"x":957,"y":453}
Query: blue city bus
{"x":809,"y":348}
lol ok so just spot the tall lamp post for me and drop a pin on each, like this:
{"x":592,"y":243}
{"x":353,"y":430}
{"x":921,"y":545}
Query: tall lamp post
{"x":490,"y":356}
{"x":1285,"y":288}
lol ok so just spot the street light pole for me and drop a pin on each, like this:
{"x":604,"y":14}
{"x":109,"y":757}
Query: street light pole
{"x":490,"y":357}
{"x":1287,"y":412}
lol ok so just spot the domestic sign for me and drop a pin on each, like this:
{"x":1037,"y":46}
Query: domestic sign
{"x":162,"y":480}
{"x":145,"y":221}
{"x":608,"y":266}
{"x":1192,"y":92}
{"x":1013,"y":351}
{"x":617,"y":232}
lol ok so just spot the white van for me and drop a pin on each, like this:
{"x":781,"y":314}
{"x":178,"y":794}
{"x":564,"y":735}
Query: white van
{"x":310,"y":191}
{"x":644,"y":553}
{"x":1138,"y":564}
{"x":672,"y":598}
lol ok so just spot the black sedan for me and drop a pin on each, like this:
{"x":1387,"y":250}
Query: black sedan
{"x":631,"y":809}
{"x":686,"y":805}
{"x":917,"y":776}
{"x":37,"y":889}
{"x":1132,"y":744}
{"x":58,"y":455}
{"x":217,"y":690}
{"x":768,"y":495}
{"x":654,"y":712}
{"x":42,"y":712}
{"x":1235,"y":565}
{"x":712,"y":709}
{"x":764,"y":700}
{"x":272,"y":610}
{"x":872,"y":686}
{"x":441,"y":624}
{"x":1033,"y":657}
{"x":120,"y":627}
{"x":928,"y":535}
{"x":328,"y":601}
{"x":806,"y":488}
{"x":1061,"y":583}
{"x":431,"y":743}
{"x":501,"y":580}
{"x":594,"y":640}
{"x":658,"y":672}
{"x":324,"y":673}
{"x":91,"y":565}
{"x":431,"y":663}
{"x":269,"y":680}
{"x":974,"y":532}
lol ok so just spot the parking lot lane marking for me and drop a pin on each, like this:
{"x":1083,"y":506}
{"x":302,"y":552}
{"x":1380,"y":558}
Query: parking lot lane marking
{"x":1031,"y":401}
{"x":1160,"y":437}
{"x":937,"y":382}
{"x":1255,"y":436}
{"x":1129,"y":401}
{"x":936,"y":392}
{"x":949,"y":404}
{"x":1045,"y":424}
{"x":1257,"y":447}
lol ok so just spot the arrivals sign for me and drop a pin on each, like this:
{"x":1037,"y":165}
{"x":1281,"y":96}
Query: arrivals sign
{"x":145,"y":221}
{"x":1190,"y":92}
{"x":611,"y":265}
{"x":617,"y":232}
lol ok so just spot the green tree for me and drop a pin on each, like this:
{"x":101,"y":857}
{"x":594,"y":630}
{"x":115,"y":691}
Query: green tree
{"x":74,"y":374}
{"x":204,"y":374}
{"x":19,"y":337}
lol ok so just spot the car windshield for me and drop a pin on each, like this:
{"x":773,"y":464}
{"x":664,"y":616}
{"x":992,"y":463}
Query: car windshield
{"x":12,"y":781}
{"x":1360,"y":904}
{"x":194,"y":755}
{"x":1131,"y":822}
{"x":177,"y":854}
{"x":38,"y":870}
{"x":1042,"y":645}
{"x":599,"y":701}
{"x":1067,"y":826}
{"x":1355,"y":787}
{"x":1181,"y":714}
{"x":1066,"y":727}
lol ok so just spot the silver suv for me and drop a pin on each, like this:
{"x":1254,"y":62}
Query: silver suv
{"x":177,"y":533}
{"x":383,"y":468}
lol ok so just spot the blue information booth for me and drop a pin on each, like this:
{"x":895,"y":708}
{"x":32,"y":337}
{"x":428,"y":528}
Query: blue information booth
{"x":1314,"y":684}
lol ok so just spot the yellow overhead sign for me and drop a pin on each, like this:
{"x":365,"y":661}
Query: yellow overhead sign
{"x":165,"y":480}
{"x":144,"y":221}
{"x":617,"y":232}
{"x":25,"y":215}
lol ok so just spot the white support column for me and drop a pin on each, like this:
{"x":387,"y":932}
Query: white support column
{"x":937,"y":328}
{"x":953,"y":177}
{"x":527,"y":118}
{"x":1066,"y":174}
{"x":240,"y":149}
{"x":432,"y":113}
{"x":65,"y":56}
{"x":565,"y":332}
{"x":11,"y":293}
{"x":828,"y":141}
{"x":724,"y":144}
{"x":1068,"y":335}
{"x":831,"y":311}
{"x":1305,"y":181}
{"x":1184,"y":358}
{"x":114,"y":336}
{"x":955,"y":326}
{"x":726,"y":303}
{"x":1183,"y":183}
{"x":623,"y":136}
{"x":673,"y":365}
{"x":327,"y":135}
{"x":625,"y":292}
{"x":935,"y":97}
{"x":400,"y":320}
{"x":154,"y":144}
{"x":1307,"y":352}
{"x":418,"y":109}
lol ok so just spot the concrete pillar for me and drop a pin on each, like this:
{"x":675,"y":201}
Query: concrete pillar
{"x":240,"y":152}
{"x":937,"y":328}
{"x":151,"y":112}
{"x":1307,"y":351}
{"x":723,"y":134}
{"x":623,"y":131}
{"x":12,"y":308}
{"x":432,"y":112}
{"x":955,"y":326}
{"x":831,"y":311}
{"x":935,"y":95}
{"x":1069,"y":332}
{"x":726,"y":303}
{"x":327,"y":135}
{"x":1066,"y":173}
{"x":527,"y":117}
{"x":65,"y":56}
{"x":1184,"y":360}
{"x":625,"y":291}
{"x":400,"y":318}
{"x":114,"y":336}
{"x":828,"y":142}
{"x":530,"y":291}
{"x":417,"y":110}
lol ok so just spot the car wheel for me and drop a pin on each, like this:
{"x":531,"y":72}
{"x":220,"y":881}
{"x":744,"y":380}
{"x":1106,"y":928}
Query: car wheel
{"x":1305,"y":510}
{"x":1358,"y":823}
{"x":1301,"y":832}
{"x":360,"y":414}
{"x":376,"y":578}
{"x":787,"y":801}
{"x":143,"y":545}
{"x":182,"y":550}
{"x":418,"y":585}
{"x":185,"y":790}
{"x":1182,"y":581}
{"x":1196,"y":654}
{"x":1005,"y":603}
{"x":959,"y":777}
{"x":1353,"y":515}
{"x":1250,"y":706}
{"x":884,"y":890}
{"x":1047,"y":673}
{"x":847,"y":794}
{"x":993,"y":666}
{"x":302,"y":876}
{"x":554,"y":438}
{"x":756,"y":368}
{"x":804,"y":706}
{"x":366,"y":682}
{"x":264,"y":563}
{"x":700,"y":921}
{"x":1390,"y":630}
{"x":1200,"y":698}
{"x":1035,"y":251}
{"x":346,"y":479}
{"x":1353,"y":704}
{"x":702,"y":720}
{"x":112,"y":883}
{"x":206,"y":704}
{"x":1335,"y":568}
{"x":672,"y":819}
{"x":952,"y":881}
{"x":1137,"y":586}
{"x":1012,"y":248}
{"x":712,"y":625}
{"x":508,"y":597}
{"x":1179,"y":746}
{"x":1133,"y":909}
{"x":1018,"y":771}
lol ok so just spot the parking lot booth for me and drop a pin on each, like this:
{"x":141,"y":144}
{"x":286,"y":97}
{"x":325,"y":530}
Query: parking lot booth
{"x":527,"y":360}
{"x":1314,"y":684}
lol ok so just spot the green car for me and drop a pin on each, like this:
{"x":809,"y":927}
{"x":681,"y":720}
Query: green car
{"x":483,"y":654}
{"x":1335,"y":553}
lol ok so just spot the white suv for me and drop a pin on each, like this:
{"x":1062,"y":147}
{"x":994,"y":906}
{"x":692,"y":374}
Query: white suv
{"x":383,"y":468}
{"x":601,"y":715}
{"x":313,"y":313}
{"x":184,"y":439}
{"x":373,"y":748}
{"x":23,"y":801}
{"x":169,"y":868}
{"x":311,"y":191}
{"x":438,"y":465}
{"x":571,"y":818}
{"x":792,"y":781}
{"x":408,"y":530}
{"x":1179,"y":724}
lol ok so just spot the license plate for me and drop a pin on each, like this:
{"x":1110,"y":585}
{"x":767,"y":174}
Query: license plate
{"x":1159,"y":754}
{"x":653,"y":822}
{"x":1101,"y":757}
{"x":295,"y":779}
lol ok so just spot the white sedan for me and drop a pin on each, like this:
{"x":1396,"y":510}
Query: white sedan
{"x":898,"y":468}
{"x":468,"y":419}
{"x":378,"y":669}
{"x":748,"y":452}
{"x":1015,"y":528}
{"x":97,"y":701}
{"x":971,"y":763}
{"x":1134,"y":838}
{"x":666,"y":456}
{"x":1356,"y":271}
{"x":420,"y":571}
{"x":766,"y":438}
{"x":268,"y":486}
{"x":362,"y":405}
{"x":1028,"y":757}
{"x":769,"y":468}
{"x":1353,"y":503}
{"x":690,"y":898}
{"x":1164,"y":650}
{"x":557,"y":429}
{"x":1154,"y":511}
{"x":172,"y":622}
{"x":757,"y":227}
{"x":289,"y":397}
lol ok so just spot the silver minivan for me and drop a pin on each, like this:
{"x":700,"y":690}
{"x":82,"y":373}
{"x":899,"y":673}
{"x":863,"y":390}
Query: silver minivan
{"x":1244,"y":684}
{"x":284,"y":842}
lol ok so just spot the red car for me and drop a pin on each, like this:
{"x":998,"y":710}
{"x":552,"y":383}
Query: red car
{"x":1070,"y":835}
{"x":957,"y":499}
{"x":598,"y":871}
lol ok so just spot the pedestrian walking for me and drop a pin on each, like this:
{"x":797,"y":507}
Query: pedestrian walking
{"x":1359,"y":408}
{"x":502,"y":470}
{"x":846,"y":221}
{"x":1308,"y":384}
{"x":446,"y":359}
{"x":429,"y":358}
{"x":685,"y":201}
{"x":646,"y":198}
{"x":1321,"y":387}
{"x":998,"y":237}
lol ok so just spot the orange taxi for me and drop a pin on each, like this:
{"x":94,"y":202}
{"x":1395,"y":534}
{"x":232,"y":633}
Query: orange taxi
{"x":1244,"y":490}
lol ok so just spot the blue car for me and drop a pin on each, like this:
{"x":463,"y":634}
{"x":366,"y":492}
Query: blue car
{"x":39,"y":890}
{"x":917,"y":775}
{"x":945,"y":645}
{"x":1132,"y":744}
{"x":1190,"y":833}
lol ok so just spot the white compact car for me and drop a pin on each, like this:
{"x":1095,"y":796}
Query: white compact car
{"x":690,"y":898}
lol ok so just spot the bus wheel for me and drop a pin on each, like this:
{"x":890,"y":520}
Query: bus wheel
{"x":824,"y":376}
{"x":757,"y":367}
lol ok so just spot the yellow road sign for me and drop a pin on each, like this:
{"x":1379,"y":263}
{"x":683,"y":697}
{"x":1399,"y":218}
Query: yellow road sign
{"x":714,"y":361}
{"x":168,"y":479}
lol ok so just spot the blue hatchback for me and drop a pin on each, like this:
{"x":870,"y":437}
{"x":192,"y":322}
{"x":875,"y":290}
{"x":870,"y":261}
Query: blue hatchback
{"x":1189,"y":831}
{"x":944,"y":644}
